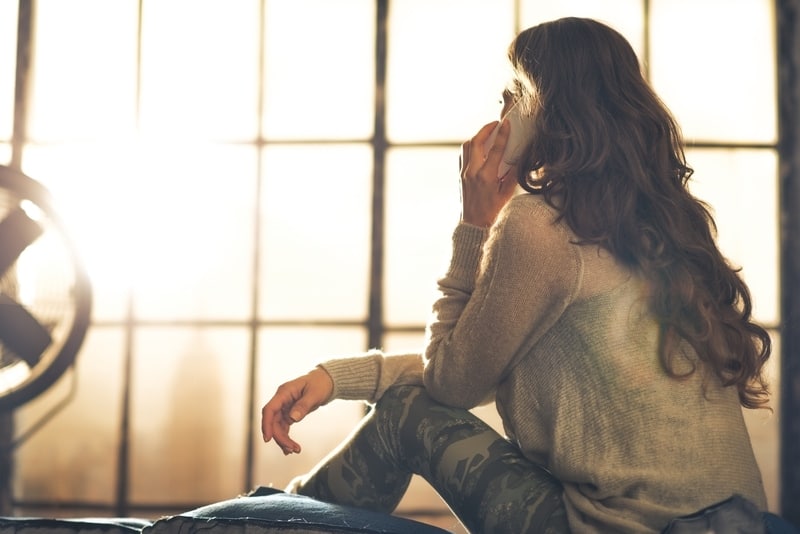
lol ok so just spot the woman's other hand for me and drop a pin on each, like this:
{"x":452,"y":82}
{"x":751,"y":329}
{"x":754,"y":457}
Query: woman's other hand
{"x":482,"y":194}
{"x":292,"y":401}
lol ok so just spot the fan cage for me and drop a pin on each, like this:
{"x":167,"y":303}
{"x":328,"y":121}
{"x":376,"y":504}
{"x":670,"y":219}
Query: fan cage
{"x":50,"y":283}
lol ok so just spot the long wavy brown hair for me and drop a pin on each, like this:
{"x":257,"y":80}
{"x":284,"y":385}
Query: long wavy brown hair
{"x":609,"y":156}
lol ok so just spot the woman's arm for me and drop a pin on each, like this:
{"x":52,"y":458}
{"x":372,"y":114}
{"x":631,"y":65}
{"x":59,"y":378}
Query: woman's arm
{"x":500,"y":293}
{"x":363,"y":377}
{"x":367,"y":377}
{"x":491,"y":313}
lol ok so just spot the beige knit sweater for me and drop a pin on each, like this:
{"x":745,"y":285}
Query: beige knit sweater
{"x":560,"y":336}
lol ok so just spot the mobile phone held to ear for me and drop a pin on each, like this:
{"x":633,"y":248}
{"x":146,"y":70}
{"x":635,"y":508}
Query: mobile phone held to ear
{"x":518,"y":138}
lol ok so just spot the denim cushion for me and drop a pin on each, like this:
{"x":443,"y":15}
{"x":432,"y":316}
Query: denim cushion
{"x":271,"y":511}
{"x":735,"y":515}
{"x":37,"y":525}
{"x":778,"y":525}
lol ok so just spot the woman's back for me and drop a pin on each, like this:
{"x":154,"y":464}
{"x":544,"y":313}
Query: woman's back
{"x":592,"y":402}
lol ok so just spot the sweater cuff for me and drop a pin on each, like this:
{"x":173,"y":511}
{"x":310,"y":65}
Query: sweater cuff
{"x":467,"y":249}
{"x":353,"y":378}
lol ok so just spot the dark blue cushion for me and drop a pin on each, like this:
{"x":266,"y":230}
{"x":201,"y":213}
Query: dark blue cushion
{"x":733,"y":515}
{"x":778,"y":525}
{"x":275,"y":511}
{"x":88,"y":525}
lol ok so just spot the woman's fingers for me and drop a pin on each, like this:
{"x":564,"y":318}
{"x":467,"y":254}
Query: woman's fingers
{"x":496,"y":150}
{"x":475,"y":147}
{"x":282,"y":439}
{"x":484,"y":133}
{"x":483,"y":192}
{"x":483,"y":153}
{"x":275,"y":419}
{"x":292,"y":401}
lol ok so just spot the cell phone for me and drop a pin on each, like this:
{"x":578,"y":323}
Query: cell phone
{"x":518,"y":139}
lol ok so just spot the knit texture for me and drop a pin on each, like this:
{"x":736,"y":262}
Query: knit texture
{"x":561,"y":336}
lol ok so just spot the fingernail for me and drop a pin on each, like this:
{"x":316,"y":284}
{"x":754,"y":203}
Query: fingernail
{"x":295,"y":415}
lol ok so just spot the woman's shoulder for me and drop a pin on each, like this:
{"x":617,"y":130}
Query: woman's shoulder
{"x":535,"y":204}
{"x":529,"y":228}
{"x":535,"y":214}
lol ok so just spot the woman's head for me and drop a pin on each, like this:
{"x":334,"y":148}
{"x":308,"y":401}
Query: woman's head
{"x":582,"y":84}
{"x":608,"y":155}
{"x":583,"y":57}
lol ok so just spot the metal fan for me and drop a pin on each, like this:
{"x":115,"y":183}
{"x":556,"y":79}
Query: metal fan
{"x":45,"y":295}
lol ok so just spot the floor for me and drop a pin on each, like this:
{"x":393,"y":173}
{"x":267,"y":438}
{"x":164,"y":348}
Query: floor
{"x":444,"y":520}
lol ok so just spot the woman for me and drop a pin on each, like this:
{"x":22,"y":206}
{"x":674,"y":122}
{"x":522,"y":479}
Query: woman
{"x":591,"y":303}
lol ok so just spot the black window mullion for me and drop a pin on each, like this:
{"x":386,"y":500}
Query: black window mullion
{"x":375,"y":324}
{"x":788,"y":49}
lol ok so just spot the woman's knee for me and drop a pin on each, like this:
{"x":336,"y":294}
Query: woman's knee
{"x":396,"y":406}
{"x":407,"y":408}
{"x":401,"y":395}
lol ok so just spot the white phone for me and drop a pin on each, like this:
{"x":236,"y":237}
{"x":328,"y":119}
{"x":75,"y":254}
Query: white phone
{"x":518,"y":138}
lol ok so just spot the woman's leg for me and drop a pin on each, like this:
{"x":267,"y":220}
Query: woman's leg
{"x":484,"y":479}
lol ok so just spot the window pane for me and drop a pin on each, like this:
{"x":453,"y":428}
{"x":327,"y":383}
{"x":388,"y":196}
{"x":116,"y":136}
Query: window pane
{"x":320,"y":69}
{"x":200,"y":68}
{"x":316,"y":231}
{"x":284,"y":354}
{"x":83,"y":465}
{"x":189,"y":398}
{"x":423,"y":208}
{"x":722,"y":86}
{"x":92,"y":67}
{"x":8,"y":66}
{"x":176,"y":227}
{"x":625,"y":16}
{"x":196,"y":232}
{"x":404,"y":342}
{"x":742,"y":187}
{"x":445,"y":70}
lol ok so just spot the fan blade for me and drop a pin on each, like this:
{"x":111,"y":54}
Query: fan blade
{"x":20,"y":332}
{"x":17,"y":231}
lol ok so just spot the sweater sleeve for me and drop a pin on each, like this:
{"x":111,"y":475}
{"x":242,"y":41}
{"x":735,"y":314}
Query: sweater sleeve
{"x":368,"y":376}
{"x":496,"y":301}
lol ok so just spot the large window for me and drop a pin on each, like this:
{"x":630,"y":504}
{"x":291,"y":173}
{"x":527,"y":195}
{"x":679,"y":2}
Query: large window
{"x":258,"y":184}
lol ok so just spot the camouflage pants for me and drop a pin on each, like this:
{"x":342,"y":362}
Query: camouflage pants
{"x":482,"y":477}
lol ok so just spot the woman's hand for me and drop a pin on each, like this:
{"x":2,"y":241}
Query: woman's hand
{"x":291,"y":403}
{"x":482,"y":193}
